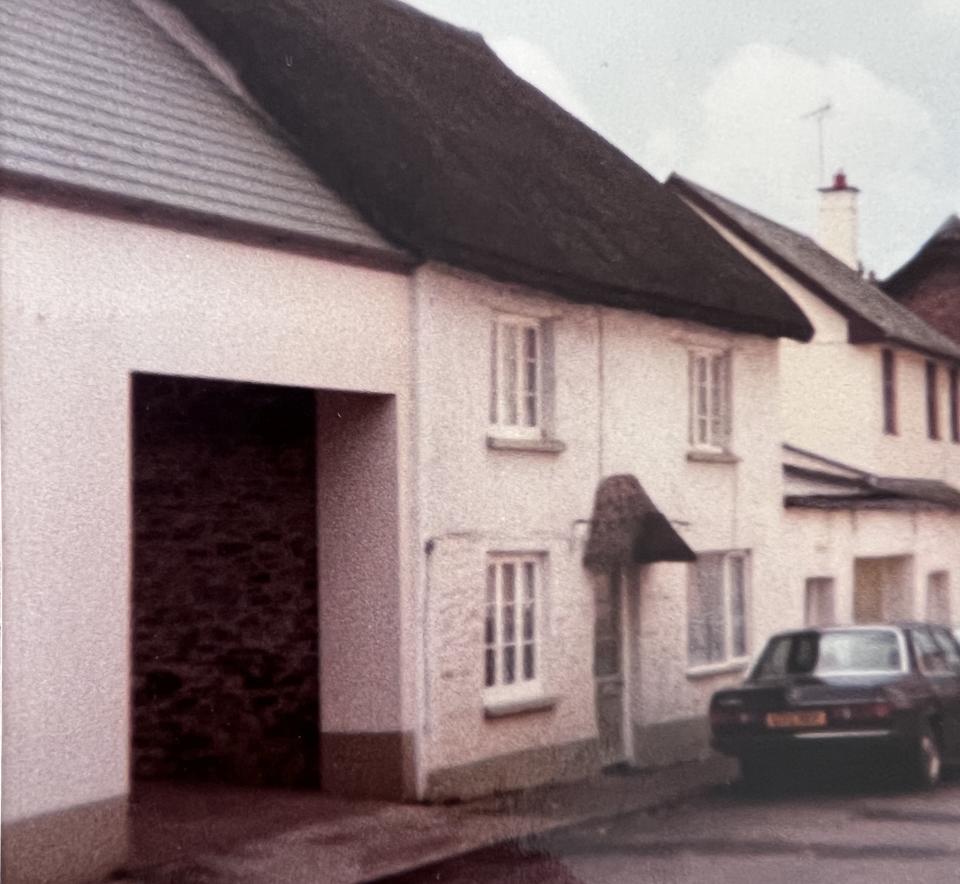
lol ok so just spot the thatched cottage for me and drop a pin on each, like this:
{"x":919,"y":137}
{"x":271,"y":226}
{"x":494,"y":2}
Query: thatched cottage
{"x":363,"y":413}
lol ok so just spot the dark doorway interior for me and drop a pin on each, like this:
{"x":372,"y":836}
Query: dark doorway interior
{"x":225,"y":631}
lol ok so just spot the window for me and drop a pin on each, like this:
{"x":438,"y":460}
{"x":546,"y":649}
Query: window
{"x":710,"y":401}
{"x":954,"y":404}
{"x":948,"y":644}
{"x":818,"y":602}
{"x":840,"y":651}
{"x":889,"y":392}
{"x":512,"y":614}
{"x":933,"y":410}
{"x":716,"y":608}
{"x":938,"y":597}
{"x":931,"y":657}
{"x":516,"y":369}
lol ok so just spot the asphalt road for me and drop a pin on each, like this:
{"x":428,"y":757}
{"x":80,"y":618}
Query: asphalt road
{"x":800,"y":832}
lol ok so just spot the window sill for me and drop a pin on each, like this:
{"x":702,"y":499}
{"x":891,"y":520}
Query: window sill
{"x":505,"y":708}
{"x":508,"y":443}
{"x":701,"y":456}
{"x":711,"y":669}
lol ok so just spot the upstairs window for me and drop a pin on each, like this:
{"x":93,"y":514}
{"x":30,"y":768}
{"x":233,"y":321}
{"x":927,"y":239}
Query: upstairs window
{"x":516,"y":382}
{"x":954,"y":404}
{"x":933,"y":405}
{"x":710,"y":400}
{"x":889,"y":392}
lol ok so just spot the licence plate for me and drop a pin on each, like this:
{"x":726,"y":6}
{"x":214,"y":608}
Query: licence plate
{"x":815,"y":718}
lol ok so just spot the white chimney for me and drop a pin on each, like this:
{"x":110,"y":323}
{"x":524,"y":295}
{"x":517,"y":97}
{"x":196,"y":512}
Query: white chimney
{"x":838,"y":221}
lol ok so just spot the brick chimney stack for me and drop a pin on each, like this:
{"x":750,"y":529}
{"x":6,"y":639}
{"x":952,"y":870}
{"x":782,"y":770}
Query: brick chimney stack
{"x":838,"y":228}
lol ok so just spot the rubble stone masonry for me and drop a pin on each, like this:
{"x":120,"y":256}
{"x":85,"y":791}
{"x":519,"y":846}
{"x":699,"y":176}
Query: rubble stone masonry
{"x":225,"y":591}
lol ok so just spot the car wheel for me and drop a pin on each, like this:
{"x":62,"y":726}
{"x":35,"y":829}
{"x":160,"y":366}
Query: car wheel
{"x":927,"y":761}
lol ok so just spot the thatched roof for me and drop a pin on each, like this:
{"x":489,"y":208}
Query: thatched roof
{"x":873,"y":315}
{"x":449,"y":154}
{"x":627,"y":528}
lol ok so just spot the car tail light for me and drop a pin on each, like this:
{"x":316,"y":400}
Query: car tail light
{"x":858,"y":713}
{"x":732,"y":717}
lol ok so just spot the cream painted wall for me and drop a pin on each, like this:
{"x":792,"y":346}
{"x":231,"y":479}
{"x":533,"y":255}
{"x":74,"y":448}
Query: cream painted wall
{"x":621,"y":405}
{"x":87,"y":301}
{"x":826,"y":543}
{"x":832,"y":393}
{"x":716,"y":506}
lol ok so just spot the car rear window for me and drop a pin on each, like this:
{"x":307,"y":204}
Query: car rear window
{"x":830,"y":653}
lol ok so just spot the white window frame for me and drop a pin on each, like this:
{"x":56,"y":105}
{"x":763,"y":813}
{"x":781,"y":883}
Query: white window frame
{"x":711,"y":399}
{"x":494,"y":613}
{"x":728,"y":658}
{"x":507,"y":377}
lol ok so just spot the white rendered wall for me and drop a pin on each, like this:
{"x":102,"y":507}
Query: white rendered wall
{"x":621,"y":406}
{"x":715,"y":506}
{"x":87,"y":301}
{"x":476,"y":500}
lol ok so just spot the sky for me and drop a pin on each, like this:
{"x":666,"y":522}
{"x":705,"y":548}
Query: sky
{"x":718,"y":90}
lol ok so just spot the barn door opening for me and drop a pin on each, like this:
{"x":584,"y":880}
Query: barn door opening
{"x":225,"y":600}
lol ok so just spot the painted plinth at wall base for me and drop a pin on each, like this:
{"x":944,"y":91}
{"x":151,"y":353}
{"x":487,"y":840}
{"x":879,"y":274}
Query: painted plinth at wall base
{"x":368,"y":765}
{"x":516,"y":770}
{"x":83,"y":843}
{"x":659,"y":745}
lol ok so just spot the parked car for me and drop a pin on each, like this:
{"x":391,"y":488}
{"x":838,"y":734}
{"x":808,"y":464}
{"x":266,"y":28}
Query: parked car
{"x":822,"y":694}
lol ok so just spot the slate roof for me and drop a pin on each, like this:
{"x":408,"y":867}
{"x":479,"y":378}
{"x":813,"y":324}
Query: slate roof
{"x":873,"y":315}
{"x":817,"y":482}
{"x":94,"y":95}
{"x":449,"y":154}
{"x":942,"y":248}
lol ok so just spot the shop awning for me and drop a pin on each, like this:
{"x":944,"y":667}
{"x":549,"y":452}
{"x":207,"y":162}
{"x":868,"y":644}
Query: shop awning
{"x":627,"y":528}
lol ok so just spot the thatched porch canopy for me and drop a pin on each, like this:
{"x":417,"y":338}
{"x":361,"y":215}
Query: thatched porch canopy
{"x":627,"y":528}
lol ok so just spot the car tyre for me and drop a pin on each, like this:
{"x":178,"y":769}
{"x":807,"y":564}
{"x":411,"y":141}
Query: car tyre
{"x":926,"y":763}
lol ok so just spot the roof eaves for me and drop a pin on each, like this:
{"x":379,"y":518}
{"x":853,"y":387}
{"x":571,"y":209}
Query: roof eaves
{"x":714,"y":211}
{"x":660,"y":303}
{"x":111,"y":204}
{"x":861,"y":330}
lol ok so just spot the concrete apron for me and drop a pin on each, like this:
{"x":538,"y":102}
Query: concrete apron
{"x":214,"y":833}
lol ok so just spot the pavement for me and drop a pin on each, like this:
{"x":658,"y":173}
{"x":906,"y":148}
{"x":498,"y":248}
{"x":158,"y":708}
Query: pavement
{"x":206,"y":834}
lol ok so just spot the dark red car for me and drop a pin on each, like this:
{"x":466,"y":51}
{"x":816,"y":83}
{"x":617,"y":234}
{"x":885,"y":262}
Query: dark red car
{"x":830,"y":694}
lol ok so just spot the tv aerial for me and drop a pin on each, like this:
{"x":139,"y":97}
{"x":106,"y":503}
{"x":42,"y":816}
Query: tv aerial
{"x":819,"y":114}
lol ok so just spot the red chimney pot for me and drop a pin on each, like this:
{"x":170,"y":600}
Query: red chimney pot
{"x":840,"y":181}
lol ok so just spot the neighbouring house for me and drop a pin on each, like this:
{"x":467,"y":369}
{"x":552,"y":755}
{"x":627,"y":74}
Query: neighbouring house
{"x":369,"y":423}
{"x":871,"y":425}
{"x":929,"y":283}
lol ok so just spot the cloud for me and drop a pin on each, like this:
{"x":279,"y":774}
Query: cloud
{"x":755,"y":145}
{"x":946,"y":8}
{"x":536,"y":66}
